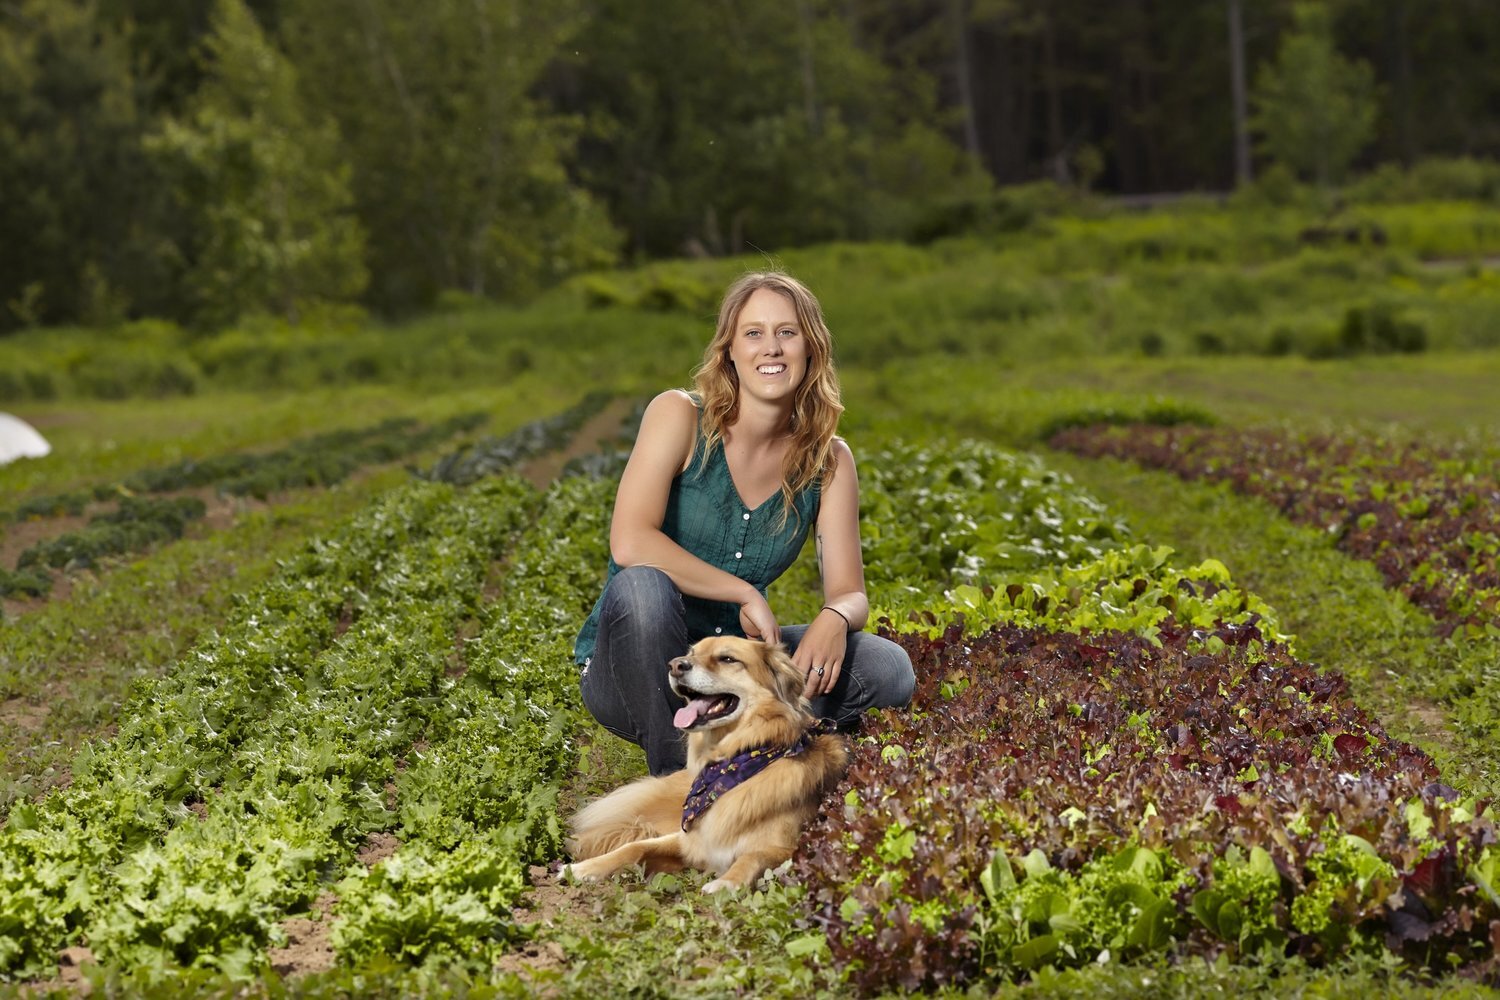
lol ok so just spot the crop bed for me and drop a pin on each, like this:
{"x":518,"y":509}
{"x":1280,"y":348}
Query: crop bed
{"x":1426,"y":516}
{"x":1062,"y":799}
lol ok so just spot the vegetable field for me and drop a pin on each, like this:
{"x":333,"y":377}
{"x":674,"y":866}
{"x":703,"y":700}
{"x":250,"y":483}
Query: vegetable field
{"x":1207,"y":648}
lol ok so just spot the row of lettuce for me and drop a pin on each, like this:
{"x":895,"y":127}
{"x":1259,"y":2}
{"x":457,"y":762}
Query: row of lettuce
{"x":1427,"y":516}
{"x":148,"y":507}
{"x":1108,"y":755}
{"x":339,"y":702}
{"x":376,"y":685}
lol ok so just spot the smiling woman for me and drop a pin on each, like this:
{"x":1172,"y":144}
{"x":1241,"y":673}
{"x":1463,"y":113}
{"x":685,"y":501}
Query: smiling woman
{"x":720,"y":492}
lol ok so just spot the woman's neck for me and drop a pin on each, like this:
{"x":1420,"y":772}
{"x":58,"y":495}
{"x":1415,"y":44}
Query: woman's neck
{"x":759,"y":424}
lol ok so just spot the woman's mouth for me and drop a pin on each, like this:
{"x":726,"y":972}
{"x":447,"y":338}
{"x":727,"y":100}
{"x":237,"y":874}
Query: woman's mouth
{"x":771,"y":369}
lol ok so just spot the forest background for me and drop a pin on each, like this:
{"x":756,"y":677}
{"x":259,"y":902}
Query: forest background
{"x":297,"y":160}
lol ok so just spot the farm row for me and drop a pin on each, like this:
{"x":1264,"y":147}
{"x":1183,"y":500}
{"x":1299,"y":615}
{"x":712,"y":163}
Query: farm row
{"x":1426,"y":516}
{"x":405,"y":680}
{"x":131,"y":515}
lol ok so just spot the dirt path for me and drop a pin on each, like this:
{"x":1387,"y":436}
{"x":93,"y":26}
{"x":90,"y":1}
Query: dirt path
{"x":600,"y":430}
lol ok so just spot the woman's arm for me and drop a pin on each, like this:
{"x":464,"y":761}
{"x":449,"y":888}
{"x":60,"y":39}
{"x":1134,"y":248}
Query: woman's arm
{"x":663,"y":448}
{"x":845,"y":606}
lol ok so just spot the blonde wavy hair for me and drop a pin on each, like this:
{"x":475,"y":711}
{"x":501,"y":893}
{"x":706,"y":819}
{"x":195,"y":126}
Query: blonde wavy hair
{"x":815,"y":404}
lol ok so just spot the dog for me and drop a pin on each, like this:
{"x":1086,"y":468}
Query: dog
{"x":745,"y":713}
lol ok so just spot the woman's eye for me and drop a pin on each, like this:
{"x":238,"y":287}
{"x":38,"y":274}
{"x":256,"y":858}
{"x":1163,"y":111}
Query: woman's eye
{"x":788,"y":333}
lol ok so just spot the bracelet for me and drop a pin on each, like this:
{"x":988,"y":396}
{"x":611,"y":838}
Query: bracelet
{"x":847,"y":623}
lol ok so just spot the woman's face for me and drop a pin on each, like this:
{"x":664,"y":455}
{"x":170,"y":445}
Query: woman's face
{"x":769,"y":350}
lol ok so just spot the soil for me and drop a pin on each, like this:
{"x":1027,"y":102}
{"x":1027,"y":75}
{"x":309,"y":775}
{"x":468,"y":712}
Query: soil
{"x":308,"y":946}
{"x":22,"y":714}
{"x":549,"y":904}
{"x":378,"y":847}
{"x":601,"y":429}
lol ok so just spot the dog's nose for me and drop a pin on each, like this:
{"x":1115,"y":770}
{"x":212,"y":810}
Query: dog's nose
{"x":679,"y":666}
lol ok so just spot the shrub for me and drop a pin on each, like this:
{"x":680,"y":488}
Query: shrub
{"x":1379,"y":329}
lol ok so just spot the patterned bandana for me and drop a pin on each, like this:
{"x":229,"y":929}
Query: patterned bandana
{"x":720,"y":776}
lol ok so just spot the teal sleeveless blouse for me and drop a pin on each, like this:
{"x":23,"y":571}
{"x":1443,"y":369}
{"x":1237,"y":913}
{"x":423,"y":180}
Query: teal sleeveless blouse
{"x":706,"y":516}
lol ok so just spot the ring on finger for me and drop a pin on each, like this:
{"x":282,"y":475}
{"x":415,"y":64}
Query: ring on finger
{"x":820,"y":671}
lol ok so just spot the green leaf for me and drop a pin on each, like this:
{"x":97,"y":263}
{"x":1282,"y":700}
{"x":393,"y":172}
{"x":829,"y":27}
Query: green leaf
{"x":997,"y":877}
{"x":806,"y":945}
{"x":1033,"y":953}
{"x":1035,"y":863}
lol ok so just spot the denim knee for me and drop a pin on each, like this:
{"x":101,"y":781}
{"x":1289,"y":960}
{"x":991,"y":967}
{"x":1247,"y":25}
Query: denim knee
{"x":641,"y":592}
{"x":886,"y":670}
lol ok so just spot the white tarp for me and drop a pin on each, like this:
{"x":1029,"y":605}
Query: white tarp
{"x":18,"y":439}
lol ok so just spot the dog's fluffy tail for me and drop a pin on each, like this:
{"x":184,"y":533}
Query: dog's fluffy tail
{"x":650,"y":807}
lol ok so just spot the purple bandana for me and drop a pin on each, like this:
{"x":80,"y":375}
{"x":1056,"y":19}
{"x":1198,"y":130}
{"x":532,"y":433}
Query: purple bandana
{"x":720,"y":776}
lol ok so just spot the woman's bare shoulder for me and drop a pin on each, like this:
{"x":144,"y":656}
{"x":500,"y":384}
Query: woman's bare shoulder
{"x":668,"y":429}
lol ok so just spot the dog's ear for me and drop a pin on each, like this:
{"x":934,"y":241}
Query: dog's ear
{"x":789,"y":680}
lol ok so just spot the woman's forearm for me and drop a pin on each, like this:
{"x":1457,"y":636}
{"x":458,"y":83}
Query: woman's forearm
{"x":853,"y":606}
{"x":693,"y":576}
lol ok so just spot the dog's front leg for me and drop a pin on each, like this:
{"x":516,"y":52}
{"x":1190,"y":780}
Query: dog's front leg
{"x":667,"y":848}
{"x":746,"y":869}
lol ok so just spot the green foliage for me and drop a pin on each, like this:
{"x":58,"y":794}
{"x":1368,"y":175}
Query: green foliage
{"x":1316,"y":110}
{"x":76,"y":242}
{"x":1242,"y":906}
{"x":828,"y":141}
{"x":1157,"y":412}
{"x":459,"y":173}
{"x":209,"y":897}
{"x":1131,"y":589}
{"x":264,"y":188}
{"x":26,"y":582}
{"x":283,"y":724}
{"x":1464,"y":178}
{"x":1116,"y":905}
{"x":138,"y":522}
{"x":1005,"y":539}
{"x":432,"y":907}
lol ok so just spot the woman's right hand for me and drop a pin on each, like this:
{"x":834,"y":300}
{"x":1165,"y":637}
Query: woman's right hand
{"x":757,"y":620}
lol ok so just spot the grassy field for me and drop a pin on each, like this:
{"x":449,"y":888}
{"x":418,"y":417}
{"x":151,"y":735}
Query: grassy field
{"x":1203,"y":312}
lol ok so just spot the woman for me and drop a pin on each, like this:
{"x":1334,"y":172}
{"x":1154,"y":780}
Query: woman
{"x":715,"y":503}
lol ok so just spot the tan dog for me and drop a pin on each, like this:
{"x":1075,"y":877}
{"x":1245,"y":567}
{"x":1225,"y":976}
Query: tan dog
{"x":745,"y":713}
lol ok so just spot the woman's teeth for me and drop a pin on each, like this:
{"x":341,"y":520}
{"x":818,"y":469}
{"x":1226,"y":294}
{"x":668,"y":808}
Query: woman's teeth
{"x":771,"y":369}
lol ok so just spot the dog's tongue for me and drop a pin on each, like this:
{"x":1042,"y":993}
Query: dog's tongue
{"x":689,"y":713}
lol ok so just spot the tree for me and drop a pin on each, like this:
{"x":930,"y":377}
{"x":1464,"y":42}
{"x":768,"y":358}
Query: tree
{"x":460,"y":174}
{"x":725,"y":127}
{"x":264,"y":182}
{"x":1242,"y":168}
{"x":1314,"y":108}
{"x":76,"y":238}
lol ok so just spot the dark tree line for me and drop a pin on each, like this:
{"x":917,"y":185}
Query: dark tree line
{"x":201,"y":162}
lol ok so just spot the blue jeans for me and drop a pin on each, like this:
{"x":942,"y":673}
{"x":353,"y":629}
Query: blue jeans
{"x":641,"y":627}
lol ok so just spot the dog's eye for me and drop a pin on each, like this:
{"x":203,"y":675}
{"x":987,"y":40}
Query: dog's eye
{"x":726,"y":658}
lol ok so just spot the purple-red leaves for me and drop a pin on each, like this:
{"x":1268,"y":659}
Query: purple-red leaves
{"x":1426,"y":518}
{"x":1022,"y":741}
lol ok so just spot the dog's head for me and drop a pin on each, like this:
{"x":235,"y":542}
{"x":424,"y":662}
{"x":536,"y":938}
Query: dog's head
{"x":724,"y":678}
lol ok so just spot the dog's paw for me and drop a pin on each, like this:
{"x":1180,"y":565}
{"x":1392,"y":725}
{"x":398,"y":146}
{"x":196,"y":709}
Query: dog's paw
{"x":721,"y":885}
{"x":587,"y":871}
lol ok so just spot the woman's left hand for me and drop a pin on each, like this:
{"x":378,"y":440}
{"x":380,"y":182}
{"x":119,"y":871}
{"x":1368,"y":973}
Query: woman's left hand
{"x":820,"y":654}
